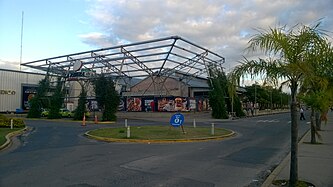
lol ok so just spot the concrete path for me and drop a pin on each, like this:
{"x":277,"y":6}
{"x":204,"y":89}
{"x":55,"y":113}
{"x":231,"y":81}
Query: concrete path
{"x":315,"y":162}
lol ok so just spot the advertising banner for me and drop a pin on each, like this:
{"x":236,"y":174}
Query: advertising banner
{"x":170,"y":104}
{"x":149,"y":105}
{"x":28,"y":93}
{"x":193,"y":104}
{"x":134,"y":104}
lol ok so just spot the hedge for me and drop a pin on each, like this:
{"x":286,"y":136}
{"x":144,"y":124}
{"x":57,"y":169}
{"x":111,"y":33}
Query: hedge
{"x":5,"y":122}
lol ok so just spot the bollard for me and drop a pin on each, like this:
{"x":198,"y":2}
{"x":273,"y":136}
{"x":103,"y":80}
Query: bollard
{"x":125,"y":122}
{"x":96,"y":119}
{"x":84,"y":120}
{"x":11,"y":123}
{"x":194,"y":124}
{"x":212,"y":130}
{"x":128,"y":132}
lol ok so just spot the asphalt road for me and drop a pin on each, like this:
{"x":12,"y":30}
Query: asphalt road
{"x":57,"y":154}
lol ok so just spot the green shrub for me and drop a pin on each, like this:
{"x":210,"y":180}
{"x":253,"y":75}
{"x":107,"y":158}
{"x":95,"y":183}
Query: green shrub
{"x":5,"y":122}
{"x":18,"y":123}
{"x":2,"y":117}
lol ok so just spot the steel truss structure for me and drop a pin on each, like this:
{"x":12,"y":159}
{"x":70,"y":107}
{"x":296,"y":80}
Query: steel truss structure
{"x":153,"y":58}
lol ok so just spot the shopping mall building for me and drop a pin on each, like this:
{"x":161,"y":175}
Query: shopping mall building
{"x":18,"y":87}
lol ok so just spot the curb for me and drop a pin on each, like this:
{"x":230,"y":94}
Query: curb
{"x":285,"y":161}
{"x":72,"y":121}
{"x":159,"y":141}
{"x":104,"y":122}
{"x":9,"y":136}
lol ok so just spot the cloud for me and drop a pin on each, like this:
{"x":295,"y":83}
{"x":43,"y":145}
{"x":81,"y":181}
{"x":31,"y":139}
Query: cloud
{"x":6,"y":64}
{"x":96,"y":39}
{"x":223,"y":26}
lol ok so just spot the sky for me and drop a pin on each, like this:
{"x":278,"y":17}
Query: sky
{"x":60,"y":27}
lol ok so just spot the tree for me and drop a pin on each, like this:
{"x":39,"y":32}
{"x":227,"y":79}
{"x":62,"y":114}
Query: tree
{"x":265,"y":95}
{"x":107,"y":98}
{"x":56,"y":100}
{"x":217,"y":94}
{"x":81,"y":107}
{"x":234,"y":103}
{"x":237,"y":105}
{"x":315,"y":89}
{"x":288,"y":59}
{"x":36,"y":101}
{"x":318,"y":102}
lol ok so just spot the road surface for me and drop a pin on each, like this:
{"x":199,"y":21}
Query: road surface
{"x":57,"y":154}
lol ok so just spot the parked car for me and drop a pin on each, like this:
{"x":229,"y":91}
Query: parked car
{"x":45,"y":112}
{"x":64,"y":112}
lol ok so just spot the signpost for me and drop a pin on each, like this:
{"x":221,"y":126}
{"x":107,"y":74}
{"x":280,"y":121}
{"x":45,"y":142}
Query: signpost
{"x":177,"y":120}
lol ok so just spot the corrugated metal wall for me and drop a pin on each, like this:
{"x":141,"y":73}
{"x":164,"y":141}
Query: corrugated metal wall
{"x":13,"y":81}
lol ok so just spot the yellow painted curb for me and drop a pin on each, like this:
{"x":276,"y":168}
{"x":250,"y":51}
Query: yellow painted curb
{"x":10,"y":135}
{"x":159,"y":141}
{"x":105,"y":122}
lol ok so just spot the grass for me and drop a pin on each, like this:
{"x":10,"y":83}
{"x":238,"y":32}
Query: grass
{"x":286,"y":183}
{"x":317,"y":143}
{"x":4,"y":132}
{"x":158,"y":132}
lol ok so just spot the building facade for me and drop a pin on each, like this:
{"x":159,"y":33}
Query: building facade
{"x":16,"y":88}
{"x":170,"y":93}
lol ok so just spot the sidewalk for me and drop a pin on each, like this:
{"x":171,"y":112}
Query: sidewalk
{"x":315,"y":162}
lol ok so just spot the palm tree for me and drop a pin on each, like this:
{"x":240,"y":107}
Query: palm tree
{"x":316,"y":90}
{"x":288,"y":52}
{"x":319,"y":103}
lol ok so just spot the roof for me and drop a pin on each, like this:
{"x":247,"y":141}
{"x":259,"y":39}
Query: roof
{"x":158,"y":57}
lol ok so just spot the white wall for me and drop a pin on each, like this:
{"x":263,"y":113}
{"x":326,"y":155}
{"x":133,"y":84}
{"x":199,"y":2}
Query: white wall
{"x":13,"y":81}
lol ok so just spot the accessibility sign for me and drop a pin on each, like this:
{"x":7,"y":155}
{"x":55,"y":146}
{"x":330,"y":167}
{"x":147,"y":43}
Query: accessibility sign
{"x":177,"y":120}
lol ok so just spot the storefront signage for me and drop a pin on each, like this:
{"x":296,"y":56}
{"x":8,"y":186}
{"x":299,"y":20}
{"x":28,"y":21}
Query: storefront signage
{"x":81,"y":74}
{"x":7,"y":92}
{"x":84,"y":73}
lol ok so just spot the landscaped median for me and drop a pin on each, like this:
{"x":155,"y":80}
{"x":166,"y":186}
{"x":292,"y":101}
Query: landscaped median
{"x":9,"y":127}
{"x":159,"y":134}
{"x":6,"y":134}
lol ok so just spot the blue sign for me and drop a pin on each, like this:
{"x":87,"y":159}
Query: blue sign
{"x":177,"y":120}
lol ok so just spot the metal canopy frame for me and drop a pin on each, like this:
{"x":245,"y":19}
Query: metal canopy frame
{"x":153,"y":58}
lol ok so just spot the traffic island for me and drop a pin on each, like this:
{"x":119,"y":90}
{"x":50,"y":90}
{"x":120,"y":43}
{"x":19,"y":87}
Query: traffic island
{"x":158,"y":134}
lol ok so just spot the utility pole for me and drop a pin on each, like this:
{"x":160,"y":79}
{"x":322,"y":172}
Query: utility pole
{"x":255,"y":93}
{"x":272,"y":99}
{"x":21,"y":40}
{"x":255,"y":98}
